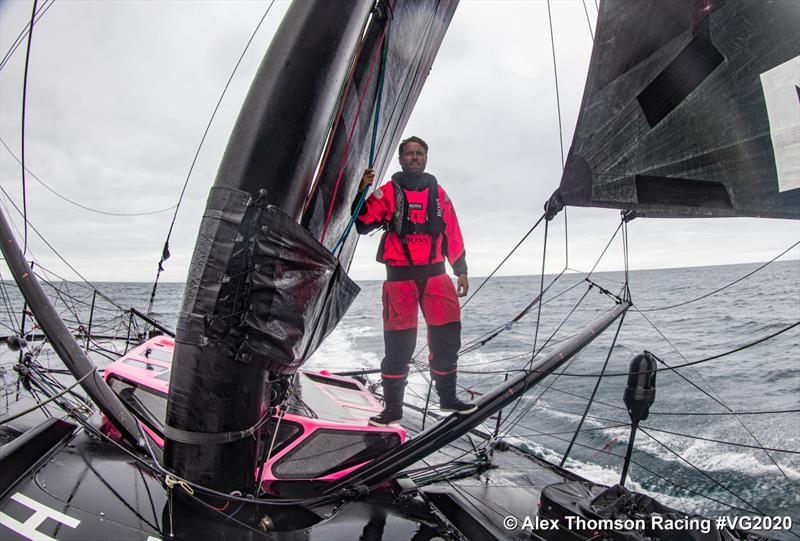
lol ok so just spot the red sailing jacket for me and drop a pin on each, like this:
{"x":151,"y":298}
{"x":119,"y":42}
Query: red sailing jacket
{"x":379,"y":211}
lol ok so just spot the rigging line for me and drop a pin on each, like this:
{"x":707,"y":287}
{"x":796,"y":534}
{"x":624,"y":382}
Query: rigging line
{"x":695,"y":413}
{"x":684,"y":378}
{"x":566,"y":241}
{"x":594,"y":393}
{"x":70,"y":308}
{"x":563,"y":432}
{"x":588,"y":21}
{"x":651,"y":472}
{"x":378,"y":97}
{"x":46,"y":281}
{"x":68,"y":503}
{"x":494,"y":507}
{"x":491,"y":275}
{"x":333,"y":125}
{"x":555,"y":74}
{"x":690,"y":363}
{"x":626,"y":290}
{"x":701,"y":472}
{"x":742,"y":423}
{"x":165,"y":251}
{"x":73,"y":269}
{"x":24,"y":32}
{"x":541,"y":292}
{"x":514,"y":249}
{"x":417,"y":54}
{"x":353,"y":129}
{"x":597,"y":417}
{"x":627,"y":423}
{"x":512,"y":422}
{"x":572,"y":311}
{"x":485,"y":338}
{"x":723,"y":287}
{"x":731,"y":443}
{"x":8,"y":305}
{"x":22,"y":126}
{"x":75,"y":203}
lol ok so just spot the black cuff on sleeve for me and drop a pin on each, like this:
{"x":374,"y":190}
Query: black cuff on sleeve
{"x":460,"y":266}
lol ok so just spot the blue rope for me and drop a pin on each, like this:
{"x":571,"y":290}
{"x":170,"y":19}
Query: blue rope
{"x":340,"y":243}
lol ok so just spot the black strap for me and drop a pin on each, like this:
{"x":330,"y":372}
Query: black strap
{"x":212,"y":438}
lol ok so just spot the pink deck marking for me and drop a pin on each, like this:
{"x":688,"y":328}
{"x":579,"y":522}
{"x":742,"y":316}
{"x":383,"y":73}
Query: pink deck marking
{"x":343,"y":404}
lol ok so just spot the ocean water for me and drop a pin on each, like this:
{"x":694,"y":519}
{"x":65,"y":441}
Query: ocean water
{"x":708,"y":476}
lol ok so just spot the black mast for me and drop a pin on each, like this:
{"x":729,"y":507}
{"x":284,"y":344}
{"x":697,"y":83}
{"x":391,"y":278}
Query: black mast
{"x":270,"y":159}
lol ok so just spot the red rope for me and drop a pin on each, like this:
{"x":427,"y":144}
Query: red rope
{"x":353,"y":129}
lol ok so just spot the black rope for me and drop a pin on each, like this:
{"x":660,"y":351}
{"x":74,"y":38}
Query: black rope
{"x":696,"y":413}
{"x":165,"y":251}
{"x":514,"y":249}
{"x":491,"y":275}
{"x":653,"y":473}
{"x":564,"y":321}
{"x":750,"y":433}
{"x":749,"y":274}
{"x":494,"y":333}
{"x":626,"y":287}
{"x":627,"y":423}
{"x":684,"y":378}
{"x":56,"y":396}
{"x":75,"y":203}
{"x":8,"y":305}
{"x":555,"y":74}
{"x":541,"y":290}
{"x":723,"y":442}
{"x":23,"y":33}
{"x":588,"y":21}
{"x":63,"y":260}
{"x":510,"y":423}
{"x":22,"y":127}
{"x":691,"y":363}
{"x":594,"y":393}
{"x":701,"y":472}
{"x":77,"y":300}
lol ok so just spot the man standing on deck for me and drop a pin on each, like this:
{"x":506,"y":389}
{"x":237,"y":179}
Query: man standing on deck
{"x":421,"y":230}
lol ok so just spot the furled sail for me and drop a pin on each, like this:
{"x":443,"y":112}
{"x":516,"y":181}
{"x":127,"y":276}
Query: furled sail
{"x":396,"y":55}
{"x":691,"y":108}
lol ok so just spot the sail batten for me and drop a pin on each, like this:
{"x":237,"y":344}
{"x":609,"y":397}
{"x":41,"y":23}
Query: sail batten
{"x":691,"y":114}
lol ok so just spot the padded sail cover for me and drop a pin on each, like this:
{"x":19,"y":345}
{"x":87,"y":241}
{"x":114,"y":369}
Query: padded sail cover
{"x":691,"y":108}
{"x":270,"y":292}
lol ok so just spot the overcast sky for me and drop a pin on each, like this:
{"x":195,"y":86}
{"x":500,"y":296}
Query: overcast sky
{"x":119,"y":94}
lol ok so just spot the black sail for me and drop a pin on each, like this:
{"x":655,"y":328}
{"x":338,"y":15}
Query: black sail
{"x":691,"y":109}
{"x":405,"y":40}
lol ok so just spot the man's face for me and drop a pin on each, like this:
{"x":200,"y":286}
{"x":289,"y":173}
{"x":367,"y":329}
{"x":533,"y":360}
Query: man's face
{"x":413,"y":159}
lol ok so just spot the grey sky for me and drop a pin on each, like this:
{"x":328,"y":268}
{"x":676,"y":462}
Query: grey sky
{"x":119,"y":94}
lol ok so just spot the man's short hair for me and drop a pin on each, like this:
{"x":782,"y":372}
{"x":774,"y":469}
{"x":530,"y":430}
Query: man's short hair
{"x":412,"y":139}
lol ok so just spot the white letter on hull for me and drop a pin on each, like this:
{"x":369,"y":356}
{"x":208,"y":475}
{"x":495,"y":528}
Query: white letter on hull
{"x":42,"y":513}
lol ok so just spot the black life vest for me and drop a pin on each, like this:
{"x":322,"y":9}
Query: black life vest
{"x":401,"y":223}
